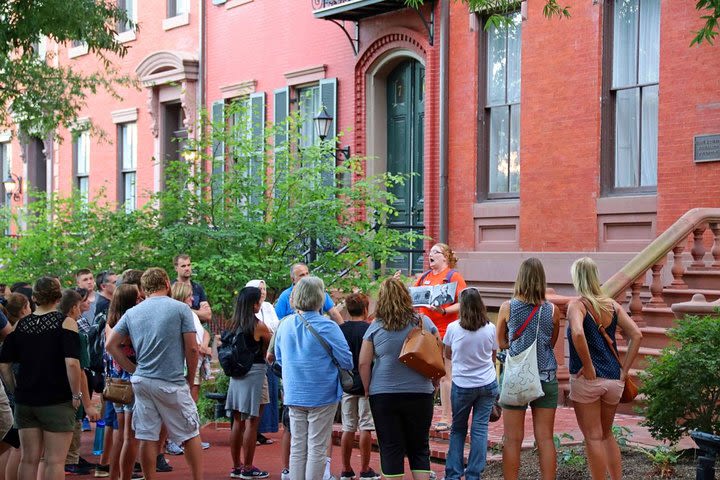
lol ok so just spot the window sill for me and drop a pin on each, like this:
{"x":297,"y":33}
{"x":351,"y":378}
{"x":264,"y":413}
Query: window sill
{"x":176,"y":21}
{"x":78,"y":51}
{"x":236,"y":3}
{"x":126,"y":36}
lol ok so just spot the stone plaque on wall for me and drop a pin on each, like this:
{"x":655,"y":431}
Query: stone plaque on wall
{"x":707,"y":148}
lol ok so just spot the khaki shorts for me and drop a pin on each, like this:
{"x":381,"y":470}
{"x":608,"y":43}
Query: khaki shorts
{"x":50,"y":418}
{"x":606,"y":390}
{"x":158,"y":402}
{"x":356,"y":409}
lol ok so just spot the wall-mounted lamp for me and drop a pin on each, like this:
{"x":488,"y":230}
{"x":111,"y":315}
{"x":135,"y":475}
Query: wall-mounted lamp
{"x":323,"y":120}
{"x":13,"y":186}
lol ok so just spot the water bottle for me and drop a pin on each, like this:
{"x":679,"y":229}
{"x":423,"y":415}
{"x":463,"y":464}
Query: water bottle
{"x":99,"y":438}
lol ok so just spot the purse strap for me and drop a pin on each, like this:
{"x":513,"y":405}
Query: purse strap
{"x":601,"y":328}
{"x":322,"y":341}
{"x":522,"y":328}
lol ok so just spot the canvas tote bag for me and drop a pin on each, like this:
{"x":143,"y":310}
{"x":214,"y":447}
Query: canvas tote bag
{"x":521,"y":381}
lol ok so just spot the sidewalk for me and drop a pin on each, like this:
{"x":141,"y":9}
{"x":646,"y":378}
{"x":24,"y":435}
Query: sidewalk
{"x":217,"y":462}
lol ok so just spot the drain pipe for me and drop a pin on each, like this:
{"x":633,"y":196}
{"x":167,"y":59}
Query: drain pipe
{"x":444,"y":52}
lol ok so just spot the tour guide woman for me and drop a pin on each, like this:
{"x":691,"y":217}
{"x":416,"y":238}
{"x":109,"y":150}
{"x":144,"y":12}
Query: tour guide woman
{"x":442,"y":260}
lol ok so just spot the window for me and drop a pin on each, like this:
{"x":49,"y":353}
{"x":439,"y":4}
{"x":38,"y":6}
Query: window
{"x":631,"y":160}
{"x":5,"y":169}
{"x":309,"y":106}
{"x":127,"y":149}
{"x":177,"y":7}
{"x":130,"y":6}
{"x":502,"y":110}
{"x":81,"y":154}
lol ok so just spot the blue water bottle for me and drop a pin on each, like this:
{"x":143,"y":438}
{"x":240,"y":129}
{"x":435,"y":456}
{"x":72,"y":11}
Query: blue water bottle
{"x":99,"y":438}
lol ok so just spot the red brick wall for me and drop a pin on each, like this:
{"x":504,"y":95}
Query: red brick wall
{"x":689,"y":106}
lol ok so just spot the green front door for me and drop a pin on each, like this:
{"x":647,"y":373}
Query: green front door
{"x":405,"y":129}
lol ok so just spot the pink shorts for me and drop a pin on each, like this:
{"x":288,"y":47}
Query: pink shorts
{"x":583,"y":390}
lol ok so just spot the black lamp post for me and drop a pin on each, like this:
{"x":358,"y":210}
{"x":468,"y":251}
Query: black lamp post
{"x":322,"y":122}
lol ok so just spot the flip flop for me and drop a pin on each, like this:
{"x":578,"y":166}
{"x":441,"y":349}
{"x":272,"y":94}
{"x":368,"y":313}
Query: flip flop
{"x":442,"y":427}
{"x":263,"y":440}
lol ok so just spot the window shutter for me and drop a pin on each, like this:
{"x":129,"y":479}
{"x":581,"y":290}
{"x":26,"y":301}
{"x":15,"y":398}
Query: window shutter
{"x":328,"y":99}
{"x":257,"y":164}
{"x":218,"y":148}
{"x":281,"y":113}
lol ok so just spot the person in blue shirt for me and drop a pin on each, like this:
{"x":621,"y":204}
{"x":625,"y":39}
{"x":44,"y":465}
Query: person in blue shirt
{"x":311,"y":380}
{"x":283,"y":307}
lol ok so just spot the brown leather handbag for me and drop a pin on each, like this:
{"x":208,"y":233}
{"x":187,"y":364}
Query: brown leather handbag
{"x":423,"y":352}
{"x":631,"y":390}
{"x":118,"y":390}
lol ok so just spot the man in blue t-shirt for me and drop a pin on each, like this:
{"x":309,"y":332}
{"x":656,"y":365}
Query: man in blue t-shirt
{"x":283,"y":307}
{"x":200,"y":304}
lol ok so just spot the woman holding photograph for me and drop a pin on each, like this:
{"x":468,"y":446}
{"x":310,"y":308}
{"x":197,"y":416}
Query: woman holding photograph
{"x":442,"y":262}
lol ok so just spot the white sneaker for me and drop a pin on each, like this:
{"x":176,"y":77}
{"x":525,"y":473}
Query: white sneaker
{"x":173,"y":448}
{"x":205,"y":445}
{"x":285,"y":474}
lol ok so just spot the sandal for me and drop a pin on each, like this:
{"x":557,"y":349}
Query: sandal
{"x":442,"y":427}
{"x":263,"y":440}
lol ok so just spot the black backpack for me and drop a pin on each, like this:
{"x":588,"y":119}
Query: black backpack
{"x":96,"y":343}
{"x":236,"y":358}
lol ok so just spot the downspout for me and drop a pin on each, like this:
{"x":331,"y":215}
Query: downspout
{"x":444,"y":53}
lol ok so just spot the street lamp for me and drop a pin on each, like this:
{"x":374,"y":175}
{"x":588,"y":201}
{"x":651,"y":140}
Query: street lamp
{"x":323,"y":120}
{"x":13,"y":186}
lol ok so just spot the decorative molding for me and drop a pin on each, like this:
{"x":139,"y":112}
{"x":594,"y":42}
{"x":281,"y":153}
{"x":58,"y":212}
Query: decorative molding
{"x":236,"y":3}
{"x":80,"y":50}
{"x":306,"y":75}
{"x":188,"y":102}
{"x":126,"y":36}
{"x":5,"y":136}
{"x":125,"y":115}
{"x":153,"y":104}
{"x":240,"y":89}
{"x":167,"y":66}
{"x":176,"y":21}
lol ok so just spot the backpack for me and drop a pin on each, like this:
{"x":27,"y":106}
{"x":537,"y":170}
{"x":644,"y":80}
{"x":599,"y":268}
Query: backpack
{"x":449,"y":275}
{"x":96,"y":343}
{"x":236,"y":358}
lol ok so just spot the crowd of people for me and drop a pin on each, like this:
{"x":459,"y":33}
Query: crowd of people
{"x":60,"y":346}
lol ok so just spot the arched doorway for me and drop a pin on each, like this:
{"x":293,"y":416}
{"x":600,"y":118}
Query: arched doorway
{"x":405,"y":101}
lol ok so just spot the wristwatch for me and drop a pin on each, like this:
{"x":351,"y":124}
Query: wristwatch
{"x":77,"y":396}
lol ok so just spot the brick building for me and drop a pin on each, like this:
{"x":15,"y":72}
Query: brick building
{"x":546,"y":138}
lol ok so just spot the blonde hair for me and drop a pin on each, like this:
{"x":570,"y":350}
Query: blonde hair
{"x":586,"y":281}
{"x":448,"y":254}
{"x":154,"y":280}
{"x":530,"y":283}
{"x":180,"y":291}
{"x":394,"y":305}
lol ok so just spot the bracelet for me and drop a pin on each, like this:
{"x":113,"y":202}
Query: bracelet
{"x":77,"y":396}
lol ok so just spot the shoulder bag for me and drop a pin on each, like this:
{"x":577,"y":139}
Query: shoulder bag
{"x":118,"y":390}
{"x":521,"y":380}
{"x":423,"y":352}
{"x":631,"y":390}
{"x":348,"y":380}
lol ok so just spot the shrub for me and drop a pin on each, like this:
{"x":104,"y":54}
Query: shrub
{"x":682,"y":386}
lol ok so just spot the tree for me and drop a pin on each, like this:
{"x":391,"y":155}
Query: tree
{"x":709,"y":10}
{"x":237,"y":223}
{"x":39,"y":94}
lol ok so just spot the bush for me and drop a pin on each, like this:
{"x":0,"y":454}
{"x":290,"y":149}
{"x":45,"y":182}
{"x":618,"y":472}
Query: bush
{"x":682,"y":386}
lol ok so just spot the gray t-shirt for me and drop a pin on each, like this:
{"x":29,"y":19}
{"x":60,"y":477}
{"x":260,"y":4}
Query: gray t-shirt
{"x":389,"y":375}
{"x":156,"y":328}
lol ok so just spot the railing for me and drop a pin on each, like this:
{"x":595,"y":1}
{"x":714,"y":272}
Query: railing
{"x":675,"y":239}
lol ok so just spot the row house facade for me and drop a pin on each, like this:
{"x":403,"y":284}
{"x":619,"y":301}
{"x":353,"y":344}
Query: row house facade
{"x":543,"y":137}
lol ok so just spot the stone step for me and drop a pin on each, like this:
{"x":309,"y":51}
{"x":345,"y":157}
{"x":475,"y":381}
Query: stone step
{"x":654,"y":337}
{"x":640,"y":361}
{"x":658,"y":317}
{"x":703,"y":279}
{"x":680,"y":295}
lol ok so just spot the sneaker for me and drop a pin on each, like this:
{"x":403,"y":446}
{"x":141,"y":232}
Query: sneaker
{"x":254,"y":472}
{"x":86,"y":425}
{"x":173,"y":448}
{"x":84,"y":463}
{"x":137,"y":476}
{"x":74,"y":469}
{"x":348,"y":475}
{"x":235,"y":473}
{"x":102,"y":471}
{"x":205,"y":445}
{"x":369,"y":474}
{"x":137,"y":468}
{"x":285,"y":474}
{"x":162,"y":465}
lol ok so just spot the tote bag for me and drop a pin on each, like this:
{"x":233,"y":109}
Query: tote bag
{"x":423,"y":352}
{"x":521,"y":381}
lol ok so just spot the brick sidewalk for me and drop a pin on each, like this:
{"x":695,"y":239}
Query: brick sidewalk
{"x":217,"y":462}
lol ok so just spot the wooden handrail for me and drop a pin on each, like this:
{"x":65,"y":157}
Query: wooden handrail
{"x":658,"y":249}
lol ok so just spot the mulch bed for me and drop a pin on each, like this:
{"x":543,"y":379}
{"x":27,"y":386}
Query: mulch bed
{"x":636,"y":466}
